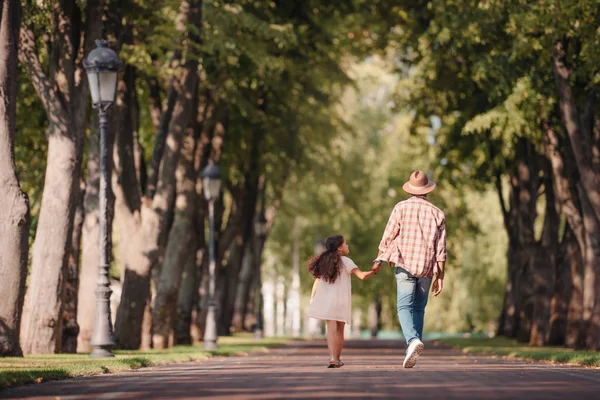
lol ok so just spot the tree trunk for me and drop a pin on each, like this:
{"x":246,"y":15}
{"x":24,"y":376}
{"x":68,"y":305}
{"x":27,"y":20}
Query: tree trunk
{"x":568,"y":198}
{"x":518,"y":221}
{"x":182,"y":241}
{"x":188,"y":295}
{"x":14,"y":205}
{"x":580,"y":142}
{"x":545,"y":264}
{"x":243,"y":290}
{"x":591,"y":275}
{"x":71,"y":298}
{"x":197,"y":330}
{"x":154,"y":223}
{"x":567,"y":254}
{"x":228,"y":280}
{"x":65,"y":97}
{"x":127,"y":184}
{"x":575,"y":327}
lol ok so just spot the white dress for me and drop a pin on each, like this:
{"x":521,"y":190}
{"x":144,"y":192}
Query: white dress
{"x":333,"y":301}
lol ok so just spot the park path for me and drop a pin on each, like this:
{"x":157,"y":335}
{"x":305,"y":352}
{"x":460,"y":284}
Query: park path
{"x":373,"y":370}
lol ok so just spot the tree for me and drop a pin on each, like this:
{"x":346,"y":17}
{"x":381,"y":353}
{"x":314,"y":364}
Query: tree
{"x":14,"y":205}
{"x":64,"y":94}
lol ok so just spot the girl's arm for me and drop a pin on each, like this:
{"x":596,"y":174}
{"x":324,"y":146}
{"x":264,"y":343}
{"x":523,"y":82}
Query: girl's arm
{"x":314,"y":289}
{"x":362,"y":275}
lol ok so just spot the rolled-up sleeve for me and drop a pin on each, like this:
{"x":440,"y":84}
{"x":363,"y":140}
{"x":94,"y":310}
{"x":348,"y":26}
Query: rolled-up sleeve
{"x":441,"y":242}
{"x":391,"y":230}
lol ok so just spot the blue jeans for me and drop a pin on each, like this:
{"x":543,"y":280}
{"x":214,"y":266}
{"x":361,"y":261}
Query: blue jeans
{"x":412,"y":293}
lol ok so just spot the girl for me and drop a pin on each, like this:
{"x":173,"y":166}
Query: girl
{"x":331,"y":297}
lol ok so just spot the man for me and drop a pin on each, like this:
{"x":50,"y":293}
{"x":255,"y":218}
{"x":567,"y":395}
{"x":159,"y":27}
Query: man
{"x":414,"y":242}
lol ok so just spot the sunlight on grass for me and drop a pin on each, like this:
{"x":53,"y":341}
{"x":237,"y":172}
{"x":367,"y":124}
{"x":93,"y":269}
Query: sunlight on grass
{"x":501,"y":346}
{"x":18,"y":371}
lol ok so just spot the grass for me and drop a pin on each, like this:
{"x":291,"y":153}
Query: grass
{"x":16,"y":371}
{"x":501,"y":346}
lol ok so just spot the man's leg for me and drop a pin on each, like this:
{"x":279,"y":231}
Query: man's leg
{"x":405,"y":289}
{"x":420,"y":301}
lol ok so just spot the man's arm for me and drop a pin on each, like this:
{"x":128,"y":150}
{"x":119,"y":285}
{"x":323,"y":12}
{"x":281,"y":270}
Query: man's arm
{"x":389,"y":234}
{"x":438,"y":283}
{"x":441,"y":255}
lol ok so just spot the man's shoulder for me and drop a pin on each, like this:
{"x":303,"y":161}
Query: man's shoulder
{"x":412,"y":200}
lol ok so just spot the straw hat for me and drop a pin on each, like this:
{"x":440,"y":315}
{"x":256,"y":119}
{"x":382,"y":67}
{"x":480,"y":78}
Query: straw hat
{"x":418,"y":184}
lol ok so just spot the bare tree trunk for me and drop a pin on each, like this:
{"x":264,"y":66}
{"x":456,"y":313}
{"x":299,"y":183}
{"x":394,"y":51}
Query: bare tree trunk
{"x":568,"y":197}
{"x":197,"y":330}
{"x":575,"y":327}
{"x":188,"y":291}
{"x":591,"y":275}
{"x":545,"y":264}
{"x":228,"y":280}
{"x":568,"y":252}
{"x":70,"y":325}
{"x":41,"y":329}
{"x":243,"y":290}
{"x":519,"y":221}
{"x":154,"y":223}
{"x":14,"y":205}
{"x":182,"y":241}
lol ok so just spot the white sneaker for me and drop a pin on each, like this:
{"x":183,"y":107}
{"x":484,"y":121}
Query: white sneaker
{"x":412,"y":353}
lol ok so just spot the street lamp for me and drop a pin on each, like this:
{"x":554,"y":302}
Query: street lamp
{"x":211,"y":185}
{"x":102,"y":66}
{"x":260,"y":229}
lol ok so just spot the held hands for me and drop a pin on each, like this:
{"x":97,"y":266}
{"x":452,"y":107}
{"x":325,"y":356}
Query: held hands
{"x":375,"y":268}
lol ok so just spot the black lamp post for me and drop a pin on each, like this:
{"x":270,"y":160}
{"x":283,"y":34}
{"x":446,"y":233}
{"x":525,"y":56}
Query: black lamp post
{"x":102,"y":66}
{"x":260,"y":228}
{"x":211,"y":185}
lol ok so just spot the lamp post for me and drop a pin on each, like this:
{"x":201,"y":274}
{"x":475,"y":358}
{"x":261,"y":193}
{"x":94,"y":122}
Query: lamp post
{"x":211,"y":185}
{"x":260,"y":229}
{"x":102,"y":66}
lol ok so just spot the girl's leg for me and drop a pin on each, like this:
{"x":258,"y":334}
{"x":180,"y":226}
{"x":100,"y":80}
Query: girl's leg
{"x":340,"y":339}
{"x":332,"y":338}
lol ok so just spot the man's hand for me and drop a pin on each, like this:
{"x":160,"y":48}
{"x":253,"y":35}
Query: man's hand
{"x":376,"y":267}
{"x":437,"y":286}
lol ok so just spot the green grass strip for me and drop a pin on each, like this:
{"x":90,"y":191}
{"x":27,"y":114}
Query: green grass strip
{"x":502,"y":346}
{"x":15,"y":371}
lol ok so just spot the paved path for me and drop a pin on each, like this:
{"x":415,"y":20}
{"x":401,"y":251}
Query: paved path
{"x":373,"y":370}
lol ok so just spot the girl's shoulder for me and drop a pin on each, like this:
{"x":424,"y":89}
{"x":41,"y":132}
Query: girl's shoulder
{"x":348,"y":263}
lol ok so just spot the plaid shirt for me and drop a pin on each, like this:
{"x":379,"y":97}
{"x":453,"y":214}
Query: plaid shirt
{"x":415,"y":237}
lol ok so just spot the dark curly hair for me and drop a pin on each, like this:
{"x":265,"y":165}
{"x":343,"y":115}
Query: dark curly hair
{"x":327,"y":265}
